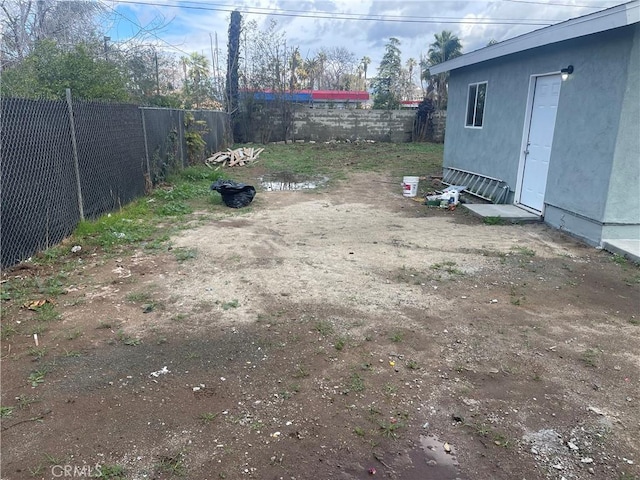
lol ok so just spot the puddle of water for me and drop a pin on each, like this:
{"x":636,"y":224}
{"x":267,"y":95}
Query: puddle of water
{"x":288,"y":181}
{"x":433,"y":462}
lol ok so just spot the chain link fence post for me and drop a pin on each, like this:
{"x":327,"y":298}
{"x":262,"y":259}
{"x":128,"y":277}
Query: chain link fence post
{"x":75,"y":153}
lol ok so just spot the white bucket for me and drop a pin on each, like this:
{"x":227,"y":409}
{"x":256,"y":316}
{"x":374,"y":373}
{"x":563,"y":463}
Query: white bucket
{"x":410,"y":186}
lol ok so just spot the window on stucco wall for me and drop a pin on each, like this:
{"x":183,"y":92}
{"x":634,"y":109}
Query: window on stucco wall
{"x":475,"y":104}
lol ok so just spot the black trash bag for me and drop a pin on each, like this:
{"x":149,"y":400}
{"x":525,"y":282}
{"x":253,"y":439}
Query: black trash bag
{"x":234,"y":194}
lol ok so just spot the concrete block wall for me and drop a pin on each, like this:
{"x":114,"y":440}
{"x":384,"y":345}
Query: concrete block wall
{"x":323,"y":125}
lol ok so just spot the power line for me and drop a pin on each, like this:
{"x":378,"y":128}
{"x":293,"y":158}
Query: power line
{"x":549,"y":4}
{"x":144,"y":29}
{"x":342,"y":16}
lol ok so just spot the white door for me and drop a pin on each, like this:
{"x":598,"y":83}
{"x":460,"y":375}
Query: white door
{"x":540,"y":138}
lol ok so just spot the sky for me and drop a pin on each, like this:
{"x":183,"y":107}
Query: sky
{"x":362,"y":26}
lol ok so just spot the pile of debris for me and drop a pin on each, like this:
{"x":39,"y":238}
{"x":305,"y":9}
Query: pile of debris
{"x":232,"y":158}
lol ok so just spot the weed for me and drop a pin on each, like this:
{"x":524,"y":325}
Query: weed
{"x":37,"y":376}
{"x":448,"y":267}
{"x":138,"y":297}
{"x":111,"y":472}
{"x":47,"y":313}
{"x":524,"y":251}
{"x":171,"y":464}
{"x":7,"y":331}
{"x":357,"y":383}
{"x":359,"y":431}
{"x":73,"y":334}
{"x":127,"y":339}
{"x":634,"y":321}
{"x":72,"y":353}
{"x":207,"y":417}
{"x":324,"y":327}
{"x":37,"y":352}
{"x":179,"y":317}
{"x":105,"y":325}
{"x":493,"y":221}
{"x":389,"y":428}
{"x":300,"y":372}
{"x":619,"y":259}
{"x":184,"y":254}
{"x":397,"y":337}
{"x":340,"y":343}
{"x":390,"y":390}
{"x":6,"y":412}
{"x":37,"y":470}
{"x":25,"y":401}
{"x":412,"y":365}
{"x":589,"y":357}
{"x":232,"y":304}
{"x":52,"y":460}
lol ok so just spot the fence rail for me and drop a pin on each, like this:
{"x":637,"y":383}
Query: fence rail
{"x":61,"y":161}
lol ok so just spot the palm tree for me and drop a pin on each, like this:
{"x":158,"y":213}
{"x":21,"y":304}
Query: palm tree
{"x":445,"y":47}
{"x":366,"y":61}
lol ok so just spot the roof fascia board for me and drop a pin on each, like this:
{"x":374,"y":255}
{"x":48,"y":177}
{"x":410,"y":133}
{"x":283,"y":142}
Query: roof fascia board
{"x":615,"y":17}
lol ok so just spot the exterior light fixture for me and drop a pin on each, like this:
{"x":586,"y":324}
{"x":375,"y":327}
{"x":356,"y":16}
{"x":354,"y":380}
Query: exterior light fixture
{"x":565,"y":72}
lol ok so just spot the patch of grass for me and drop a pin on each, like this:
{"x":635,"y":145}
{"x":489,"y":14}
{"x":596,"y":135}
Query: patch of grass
{"x":396,"y":337}
{"x":300,"y":372}
{"x":171,"y":464}
{"x":53,"y":460}
{"x":493,"y":221}
{"x":36,"y":471}
{"x":7,"y":331}
{"x":184,"y":254}
{"x":412,"y":365}
{"x":359,"y":431}
{"x":138,"y":297}
{"x":634,"y":321}
{"x":448,"y":267}
{"x":127,"y":339}
{"x":356,"y":383}
{"x":72,"y":353}
{"x":207,"y":417}
{"x":524,"y":251}
{"x":389,"y":429}
{"x":340,"y":343}
{"x":589,"y":357}
{"x":174,"y":209}
{"x":37,"y":352}
{"x":6,"y":412}
{"x":232,"y":304}
{"x":324,"y":327}
{"x":619,"y":259}
{"x":24,"y":401}
{"x":73,"y":334}
{"x":47,"y":313}
{"x":111,"y":472}
{"x":36,"y":377}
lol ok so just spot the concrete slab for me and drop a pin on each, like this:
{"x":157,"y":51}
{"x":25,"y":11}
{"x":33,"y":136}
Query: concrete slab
{"x":628,"y":247}
{"x":509,"y":213}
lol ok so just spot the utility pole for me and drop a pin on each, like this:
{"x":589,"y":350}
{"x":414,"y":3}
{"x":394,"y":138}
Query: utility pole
{"x":106,"y":48}
{"x":155,"y":58}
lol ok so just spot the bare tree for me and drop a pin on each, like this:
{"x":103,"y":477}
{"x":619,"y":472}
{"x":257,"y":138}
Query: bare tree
{"x":25,"y":22}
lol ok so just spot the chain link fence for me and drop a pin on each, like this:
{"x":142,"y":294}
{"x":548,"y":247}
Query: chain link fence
{"x":62,"y":162}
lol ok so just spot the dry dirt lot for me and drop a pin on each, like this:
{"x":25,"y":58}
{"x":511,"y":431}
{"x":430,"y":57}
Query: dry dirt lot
{"x":345,"y":333}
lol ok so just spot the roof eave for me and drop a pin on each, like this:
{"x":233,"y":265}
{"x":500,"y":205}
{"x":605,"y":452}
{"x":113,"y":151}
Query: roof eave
{"x":615,"y":17}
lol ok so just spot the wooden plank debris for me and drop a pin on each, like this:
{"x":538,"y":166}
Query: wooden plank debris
{"x":232,"y":158}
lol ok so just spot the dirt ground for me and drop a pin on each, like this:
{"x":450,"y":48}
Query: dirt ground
{"x":343,"y":333}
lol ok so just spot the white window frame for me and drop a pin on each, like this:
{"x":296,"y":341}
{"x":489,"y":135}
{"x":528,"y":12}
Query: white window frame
{"x":475,"y":104}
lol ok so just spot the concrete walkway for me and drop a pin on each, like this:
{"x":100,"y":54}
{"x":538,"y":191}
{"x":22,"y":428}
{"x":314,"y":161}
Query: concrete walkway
{"x":508,"y":213}
{"x":627,"y":247}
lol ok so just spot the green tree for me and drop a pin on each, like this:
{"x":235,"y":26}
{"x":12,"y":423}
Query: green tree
{"x":48,"y":70}
{"x":366,"y":61}
{"x":197,"y":85}
{"x":445,"y":47}
{"x":386,"y":88}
